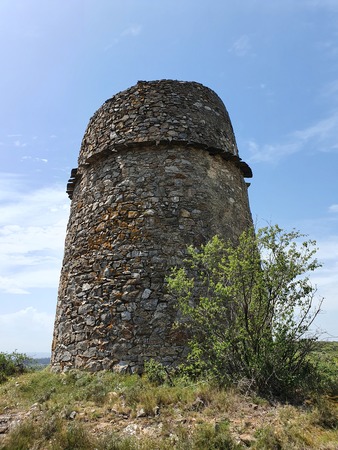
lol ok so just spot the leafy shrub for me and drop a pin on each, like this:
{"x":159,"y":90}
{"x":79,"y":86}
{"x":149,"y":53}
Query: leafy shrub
{"x":13,"y":364}
{"x":156,"y":372}
{"x":326,"y":359}
{"x":249,"y":308}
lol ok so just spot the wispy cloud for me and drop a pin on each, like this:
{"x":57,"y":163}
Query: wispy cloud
{"x":11,"y":286}
{"x":326,"y":278}
{"x":271,"y":153}
{"x":324,"y":231}
{"x":18,"y":143}
{"x":322,"y":136}
{"x":322,"y":131}
{"x":25,"y":158}
{"x":23,"y":279}
{"x":242,"y":46}
{"x":333,"y":209}
{"x":131,"y":31}
{"x":41,"y":319}
{"x":26,"y":330}
{"x":32,"y":231}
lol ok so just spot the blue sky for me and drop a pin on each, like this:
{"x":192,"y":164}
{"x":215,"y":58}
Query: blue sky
{"x":274,"y":64}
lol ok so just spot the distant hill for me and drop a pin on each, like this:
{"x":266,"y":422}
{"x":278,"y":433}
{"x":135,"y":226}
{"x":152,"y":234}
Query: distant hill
{"x":39,"y":362}
{"x":43,"y":361}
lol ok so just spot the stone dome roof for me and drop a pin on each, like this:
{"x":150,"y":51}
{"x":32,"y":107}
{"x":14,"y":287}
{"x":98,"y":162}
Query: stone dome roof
{"x":157,"y":112}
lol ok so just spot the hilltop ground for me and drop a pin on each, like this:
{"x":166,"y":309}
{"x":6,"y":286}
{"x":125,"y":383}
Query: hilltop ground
{"x":77,"y":410}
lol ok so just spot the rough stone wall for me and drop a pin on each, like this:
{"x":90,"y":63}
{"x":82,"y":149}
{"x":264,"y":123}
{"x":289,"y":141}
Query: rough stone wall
{"x":136,"y":205}
{"x":160,"y":111}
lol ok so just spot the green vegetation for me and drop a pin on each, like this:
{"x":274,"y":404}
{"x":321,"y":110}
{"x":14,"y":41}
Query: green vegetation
{"x":104,"y":410}
{"x":255,"y":377}
{"x":13,"y":364}
{"x":249,"y":309}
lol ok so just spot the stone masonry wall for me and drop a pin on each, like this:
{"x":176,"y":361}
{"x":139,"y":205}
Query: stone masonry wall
{"x":161,"y":111}
{"x":134,"y":210}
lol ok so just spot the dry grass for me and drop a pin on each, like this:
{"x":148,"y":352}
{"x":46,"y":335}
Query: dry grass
{"x":109,"y":411}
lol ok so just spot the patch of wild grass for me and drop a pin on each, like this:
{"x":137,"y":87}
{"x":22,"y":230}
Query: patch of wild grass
{"x":297,"y":429}
{"x":54,"y":434}
{"x":59,"y":390}
{"x":22,"y":437}
{"x":29,"y":388}
{"x":50,"y":433}
{"x":143,"y":393}
{"x":187,"y":413}
{"x":325,"y":413}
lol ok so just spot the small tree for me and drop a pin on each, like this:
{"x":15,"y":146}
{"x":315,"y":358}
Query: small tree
{"x":13,"y":364}
{"x":249,"y":308}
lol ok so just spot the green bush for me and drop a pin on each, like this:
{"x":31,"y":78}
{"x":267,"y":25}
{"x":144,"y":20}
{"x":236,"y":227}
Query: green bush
{"x":13,"y":364}
{"x":156,"y":372}
{"x":249,"y":308}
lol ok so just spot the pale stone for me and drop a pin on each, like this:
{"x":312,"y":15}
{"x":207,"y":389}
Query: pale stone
{"x":146,"y":293}
{"x":125,"y":315}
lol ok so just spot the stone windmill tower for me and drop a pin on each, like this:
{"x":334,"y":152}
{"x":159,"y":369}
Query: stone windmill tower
{"x":158,"y":170}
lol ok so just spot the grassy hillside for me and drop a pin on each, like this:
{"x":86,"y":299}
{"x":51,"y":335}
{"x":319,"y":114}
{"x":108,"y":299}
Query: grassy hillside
{"x":77,"y":410}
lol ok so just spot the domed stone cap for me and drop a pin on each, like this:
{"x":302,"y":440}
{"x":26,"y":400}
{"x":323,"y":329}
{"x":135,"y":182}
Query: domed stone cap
{"x":158,"y":112}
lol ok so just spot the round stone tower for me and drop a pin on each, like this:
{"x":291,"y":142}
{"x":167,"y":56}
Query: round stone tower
{"x":158,"y":170}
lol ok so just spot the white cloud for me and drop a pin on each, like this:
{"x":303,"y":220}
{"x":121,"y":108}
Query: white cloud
{"x":32,"y":208}
{"x":11,"y":286}
{"x":333,"y":208}
{"x":323,"y":135}
{"x":133,"y":30}
{"x":25,"y":158}
{"x":18,"y":143}
{"x":271,"y":152}
{"x":22,"y":279}
{"x":326,"y":279}
{"x":323,"y":131}
{"x":328,"y":249}
{"x":241,"y":47}
{"x":32,"y":231}
{"x":11,"y":185}
{"x":26,"y":330}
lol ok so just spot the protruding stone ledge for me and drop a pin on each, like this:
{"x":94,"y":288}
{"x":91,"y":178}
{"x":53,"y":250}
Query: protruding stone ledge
{"x":74,"y":177}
